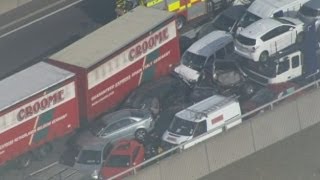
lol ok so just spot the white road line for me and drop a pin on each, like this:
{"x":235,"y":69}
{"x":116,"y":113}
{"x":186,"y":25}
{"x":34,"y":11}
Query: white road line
{"x":37,"y":20}
{"x":42,"y":169}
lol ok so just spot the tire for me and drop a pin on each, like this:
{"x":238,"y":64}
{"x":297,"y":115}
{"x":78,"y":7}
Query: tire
{"x":264,"y":56}
{"x":140,"y":135}
{"x":42,"y":151}
{"x":299,"y":38}
{"x":180,"y":22}
{"x":24,"y":161}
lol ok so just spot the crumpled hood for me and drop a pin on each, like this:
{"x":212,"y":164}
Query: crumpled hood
{"x":187,"y":73}
{"x":174,"y":138}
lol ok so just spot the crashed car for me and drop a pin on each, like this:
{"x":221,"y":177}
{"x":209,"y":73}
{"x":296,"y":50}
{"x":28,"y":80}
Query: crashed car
{"x":157,"y":95}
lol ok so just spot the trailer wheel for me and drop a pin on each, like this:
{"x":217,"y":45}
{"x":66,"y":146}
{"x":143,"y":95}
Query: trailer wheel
{"x":42,"y":151}
{"x":24,"y":161}
{"x":181,"y":20}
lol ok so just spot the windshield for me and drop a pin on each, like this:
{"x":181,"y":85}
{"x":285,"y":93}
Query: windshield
{"x":224,"y":23}
{"x":193,"y":61}
{"x":96,"y":128}
{"x":225,"y":65}
{"x":182,"y":127}
{"x":247,"y":19}
{"x":246,"y":41}
{"x":118,"y":161}
{"x":266,"y":69}
{"x":89,"y":157}
{"x":308,"y":11}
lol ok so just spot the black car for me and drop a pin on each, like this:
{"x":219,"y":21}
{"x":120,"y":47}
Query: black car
{"x":158,"y":95}
{"x":226,"y":21}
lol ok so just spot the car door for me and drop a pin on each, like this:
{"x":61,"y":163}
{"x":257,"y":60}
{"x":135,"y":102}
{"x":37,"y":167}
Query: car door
{"x":127,"y":128}
{"x":284,"y":37}
{"x":268,"y":41}
{"x":111,"y":131}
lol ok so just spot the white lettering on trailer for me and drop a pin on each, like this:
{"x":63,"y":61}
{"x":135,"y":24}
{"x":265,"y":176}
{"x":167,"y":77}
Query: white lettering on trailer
{"x":131,"y":55}
{"x":109,"y":91}
{"x":10,"y":119}
{"x":31,"y":132}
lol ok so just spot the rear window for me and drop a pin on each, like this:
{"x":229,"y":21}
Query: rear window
{"x":308,"y":11}
{"x":246,"y":41}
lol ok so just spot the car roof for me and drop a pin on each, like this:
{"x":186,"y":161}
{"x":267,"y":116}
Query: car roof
{"x":120,"y":114}
{"x":213,"y":103}
{"x":314,"y":4}
{"x":96,"y":144}
{"x":211,"y":42}
{"x":234,"y":12}
{"x":124,"y":147}
{"x":265,"y":8}
{"x":260,"y":27}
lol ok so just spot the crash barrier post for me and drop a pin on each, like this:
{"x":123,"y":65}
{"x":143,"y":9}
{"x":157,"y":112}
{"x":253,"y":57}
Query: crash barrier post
{"x":250,"y":136}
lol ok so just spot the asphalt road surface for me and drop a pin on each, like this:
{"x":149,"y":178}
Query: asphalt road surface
{"x":295,"y":158}
{"x":42,"y":38}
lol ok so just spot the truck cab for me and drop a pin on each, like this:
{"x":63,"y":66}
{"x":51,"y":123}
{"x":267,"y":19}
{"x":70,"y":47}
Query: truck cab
{"x":279,"y":69}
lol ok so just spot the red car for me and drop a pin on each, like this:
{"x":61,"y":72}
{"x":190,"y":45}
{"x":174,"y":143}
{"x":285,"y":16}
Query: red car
{"x":124,"y":155}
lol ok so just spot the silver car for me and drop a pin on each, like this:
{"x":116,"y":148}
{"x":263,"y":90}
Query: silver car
{"x":91,"y":156}
{"x":122,"y":124}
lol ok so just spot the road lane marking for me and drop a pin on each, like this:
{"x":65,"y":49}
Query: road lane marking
{"x":44,"y":168}
{"x":36,"y":20}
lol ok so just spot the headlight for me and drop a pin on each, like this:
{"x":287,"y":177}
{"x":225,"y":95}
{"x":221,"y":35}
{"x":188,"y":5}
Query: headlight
{"x":215,"y":75}
{"x":95,"y":174}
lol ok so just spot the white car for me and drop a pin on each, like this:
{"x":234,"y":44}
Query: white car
{"x":267,"y":36}
{"x":199,"y":57}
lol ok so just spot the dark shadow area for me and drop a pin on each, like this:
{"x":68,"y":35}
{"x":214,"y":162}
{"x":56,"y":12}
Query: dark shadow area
{"x":100,"y":11}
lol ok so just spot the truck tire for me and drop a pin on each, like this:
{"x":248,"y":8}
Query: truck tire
{"x":24,"y":161}
{"x":264,"y":56}
{"x":181,"y":20}
{"x":42,"y":151}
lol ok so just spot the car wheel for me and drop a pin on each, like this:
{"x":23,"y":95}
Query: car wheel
{"x":299,"y":38}
{"x":140,"y":135}
{"x":180,"y":22}
{"x":264,"y":56}
{"x":24,"y":161}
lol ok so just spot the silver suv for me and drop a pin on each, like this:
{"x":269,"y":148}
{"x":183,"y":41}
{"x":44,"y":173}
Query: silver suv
{"x":122,"y":124}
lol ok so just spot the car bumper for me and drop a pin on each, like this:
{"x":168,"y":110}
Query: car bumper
{"x":247,"y":54}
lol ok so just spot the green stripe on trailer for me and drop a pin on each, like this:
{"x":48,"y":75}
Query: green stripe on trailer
{"x":149,"y":72}
{"x":43,"y":120}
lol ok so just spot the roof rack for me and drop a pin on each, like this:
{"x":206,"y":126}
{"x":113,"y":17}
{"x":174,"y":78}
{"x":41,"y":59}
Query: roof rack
{"x":200,"y":114}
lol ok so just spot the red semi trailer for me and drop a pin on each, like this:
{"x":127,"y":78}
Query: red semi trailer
{"x":110,"y":62}
{"x":37,"y":105}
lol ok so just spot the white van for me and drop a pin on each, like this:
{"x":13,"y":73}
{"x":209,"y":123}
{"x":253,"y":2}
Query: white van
{"x":199,"y":57}
{"x":201,"y":118}
{"x":260,"y":9}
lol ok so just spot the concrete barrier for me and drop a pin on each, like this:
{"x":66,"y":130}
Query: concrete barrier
{"x":7,"y":5}
{"x":189,"y":165}
{"x":275,"y":125}
{"x":309,"y":109}
{"x":230,"y":146}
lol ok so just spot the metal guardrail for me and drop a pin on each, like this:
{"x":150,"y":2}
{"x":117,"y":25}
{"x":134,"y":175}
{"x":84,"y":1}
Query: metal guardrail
{"x":179,"y":148}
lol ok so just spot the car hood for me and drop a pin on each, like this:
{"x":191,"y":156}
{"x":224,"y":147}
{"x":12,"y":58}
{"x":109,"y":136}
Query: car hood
{"x":187,"y":73}
{"x":174,"y":138}
{"x":86,"y":138}
{"x":228,"y":78}
{"x":107,"y":172}
{"x":87,"y":168}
